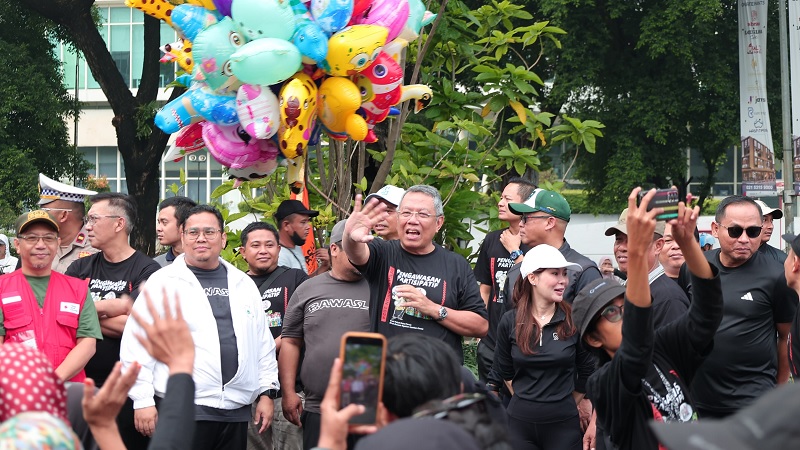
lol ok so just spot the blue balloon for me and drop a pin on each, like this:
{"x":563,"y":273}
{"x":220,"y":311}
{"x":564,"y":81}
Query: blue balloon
{"x":308,"y":36}
{"x":332,"y":15}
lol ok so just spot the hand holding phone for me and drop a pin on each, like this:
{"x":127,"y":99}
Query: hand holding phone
{"x":363,"y":358}
{"x":664,"y":198}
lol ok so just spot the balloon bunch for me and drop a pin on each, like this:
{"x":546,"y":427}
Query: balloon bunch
{"x":266,"y":77}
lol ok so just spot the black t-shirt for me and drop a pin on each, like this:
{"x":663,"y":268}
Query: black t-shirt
{"x":772,"y":252}
{"x":549,"y":374}
{"x":744,"y":363}
{"x":109,"y":280}
{"x":275,"y":297}
{"x":444,"y":277}
{"x":669,"y":301}
{"x":648,"y":377}
{"x":491,"y":268}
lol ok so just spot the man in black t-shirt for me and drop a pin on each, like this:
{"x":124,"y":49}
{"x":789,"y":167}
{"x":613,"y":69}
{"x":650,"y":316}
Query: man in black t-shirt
{"x":770,"y":215}
{"x":747,"y":360}
{"x":260,"y":249}
{"x":415,"y":284}
{"x":791,"y":270}
{"x":499,"y":252}
{"x":115,"y":276}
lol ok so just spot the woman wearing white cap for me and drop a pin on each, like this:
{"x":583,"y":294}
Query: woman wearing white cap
{"x":8,"y":263}
{"x":537,"y":356}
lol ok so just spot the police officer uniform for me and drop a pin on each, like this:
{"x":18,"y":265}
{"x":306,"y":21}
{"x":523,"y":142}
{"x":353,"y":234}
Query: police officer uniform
{"x":68,"y":252}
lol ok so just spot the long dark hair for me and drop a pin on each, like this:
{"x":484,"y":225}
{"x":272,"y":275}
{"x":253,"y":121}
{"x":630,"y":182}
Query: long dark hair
{"x":527,"y":326}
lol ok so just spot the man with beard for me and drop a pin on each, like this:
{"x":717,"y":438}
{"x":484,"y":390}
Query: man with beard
{"x":293,"y":220}
{"x":770,"y":215}
{"x":320,"y":311}
{"x":276,"y":284}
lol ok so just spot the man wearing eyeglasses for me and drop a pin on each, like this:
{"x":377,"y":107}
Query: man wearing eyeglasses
{"x":235,"y":362}
{"x":416,"y":286}
{"x":66,"y":206}
{"x":114,"y":275}
{"x":44,"y":309}
{"x":747,"y":359}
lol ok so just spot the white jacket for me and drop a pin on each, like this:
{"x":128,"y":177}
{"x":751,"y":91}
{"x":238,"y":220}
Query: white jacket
{"x":258,"y":369}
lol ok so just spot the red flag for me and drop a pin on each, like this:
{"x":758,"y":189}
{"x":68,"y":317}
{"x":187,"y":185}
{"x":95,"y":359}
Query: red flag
{"x":310,"y":247}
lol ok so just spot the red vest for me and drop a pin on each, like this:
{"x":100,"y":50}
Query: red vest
{"x":54,"y":327}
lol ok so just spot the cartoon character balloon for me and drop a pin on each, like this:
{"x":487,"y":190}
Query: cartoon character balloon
{"x":194,"y":106}
{"x":308,"y":36}
{"x":257,"y":19}
{"x":189,"y":140}
{"x":213,"y":48}
{"x":339,"y":99}
{"x":232,"y":147}
{"x":331,"y":15}
{"x":353,"y":49}
{"x":390,"y":14}
{"x":266,"y":61}
{"x":160,"y":9}
{"x":189,"y":20}
{"x":418,"y":17}
{"x":260,"y":169}
{"x":258,"y":110}
{"x":179,"y":52}
{"x":298,"y":103}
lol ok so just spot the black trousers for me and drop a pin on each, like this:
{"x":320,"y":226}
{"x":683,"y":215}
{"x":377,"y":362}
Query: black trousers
{"x":311,"y":430}
{"x":127,"y":428}
{"x":561,"y":435}
{"x":220,"y":435}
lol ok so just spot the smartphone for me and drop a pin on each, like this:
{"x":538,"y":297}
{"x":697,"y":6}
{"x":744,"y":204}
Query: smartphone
{"x":664,"y":198}
{"x":363,"y":358}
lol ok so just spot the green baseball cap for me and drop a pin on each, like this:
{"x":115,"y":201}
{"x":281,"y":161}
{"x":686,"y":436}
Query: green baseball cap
{"x":542,"y":200}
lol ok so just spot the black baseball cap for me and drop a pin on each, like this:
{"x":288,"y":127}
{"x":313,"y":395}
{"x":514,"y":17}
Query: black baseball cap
{"x":770,"y":422}
{"x":591,"y":300}
{"x":793,"y":241}
{"x":289,"y":207}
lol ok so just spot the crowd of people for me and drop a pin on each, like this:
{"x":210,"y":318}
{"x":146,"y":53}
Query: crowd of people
{"x":186,"y":351}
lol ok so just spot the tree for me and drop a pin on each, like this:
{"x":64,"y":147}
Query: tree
{"x":33,"y":107}
{"x":661,"y":74}
{"x":139,"y":142}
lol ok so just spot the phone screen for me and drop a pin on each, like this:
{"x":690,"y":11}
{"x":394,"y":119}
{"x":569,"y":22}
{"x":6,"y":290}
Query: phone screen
{"x":665,"y":198}
{"x":362,"y":373}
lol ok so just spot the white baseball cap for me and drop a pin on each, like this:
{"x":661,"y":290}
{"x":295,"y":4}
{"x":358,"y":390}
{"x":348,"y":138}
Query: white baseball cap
{"x":545,"y":256}
{"x":389,"y":193}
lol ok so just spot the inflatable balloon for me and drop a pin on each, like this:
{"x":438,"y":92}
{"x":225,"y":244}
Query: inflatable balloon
{"x":207,"y":4}
{"x":298,"y":103}
{"x":390,"y":14}
{"x":189,"y":140}
{"x":308,"y":37}
{"x":266,"y":61}
{"x":223,"y":6}
{"x":232,"y":147}
{"x":260,"y":169}
{"x":258,"y":110}
{"x":189,"y":20}
{"x":194,"y":106}
{"x":380,"y":85}
{"x":160,"y":9}
{"x":213,"y":48}
{"x":353,"y":49}
{"x":179,"y":52}
{"x":418,"y":17}
{"x":295,"y":173}
{"x":339,"y":99}
{"x":331,"y":15}
{"x":359,"y":6}
{"x":259,"y":19}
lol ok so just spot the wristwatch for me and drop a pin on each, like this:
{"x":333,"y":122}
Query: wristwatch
{"x":271,"y":393}
{"x":442,"y":314}
{"x":516,"y":254}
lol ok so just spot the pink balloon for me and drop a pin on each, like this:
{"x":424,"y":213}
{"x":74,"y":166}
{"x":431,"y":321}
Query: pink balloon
{"x":391,"y":14}
{"x":232,"y":147}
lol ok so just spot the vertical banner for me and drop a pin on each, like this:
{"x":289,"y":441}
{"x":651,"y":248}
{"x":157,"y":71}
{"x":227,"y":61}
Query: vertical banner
{"x":758,"y":161}
{"x":794,"y":61}
{"x":310,"y":247}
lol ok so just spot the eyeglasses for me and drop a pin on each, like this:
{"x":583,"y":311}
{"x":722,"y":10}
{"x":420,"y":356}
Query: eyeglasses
{"x":420,"y":214}
{"x":526,"y":218}
{"x":91,"y":220}
{"x":612,"y":313}
{"x":735,"y":231}
{"x":55,"y":209}
{"x":208,"y":233}
{"x":34,"y":238}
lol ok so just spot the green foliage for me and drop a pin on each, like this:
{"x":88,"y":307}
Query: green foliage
{"x":145,"y":114}
{"x":33,"y":106}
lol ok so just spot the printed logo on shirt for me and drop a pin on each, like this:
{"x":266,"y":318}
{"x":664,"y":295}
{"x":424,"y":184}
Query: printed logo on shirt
{"x":399,"y":311}
{"x":216,"y":292}
{"x":500,"y":279}
{"x":338,"y":303}
{"x":266,"y":304}
{"x":748,"y":296}
{"x":107,"y":285}
{"x":271,"y":293}
{"x":273,"y":319}
{"x":418,"y":280}
{"x":555,"y":336}
{"x":72,"y":308}
{"x":14,"y":299}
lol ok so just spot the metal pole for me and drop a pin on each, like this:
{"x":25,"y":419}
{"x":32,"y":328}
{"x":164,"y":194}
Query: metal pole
{"x":786,"y":113}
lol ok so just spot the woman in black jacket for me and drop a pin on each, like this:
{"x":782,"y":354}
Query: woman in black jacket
{"x":538,"y":356}
{"x":645,"y":374}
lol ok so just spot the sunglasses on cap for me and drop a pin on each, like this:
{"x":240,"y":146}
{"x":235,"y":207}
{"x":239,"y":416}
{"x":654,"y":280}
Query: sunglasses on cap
{"x":735,"y":231}
{"x":612,"y":313}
